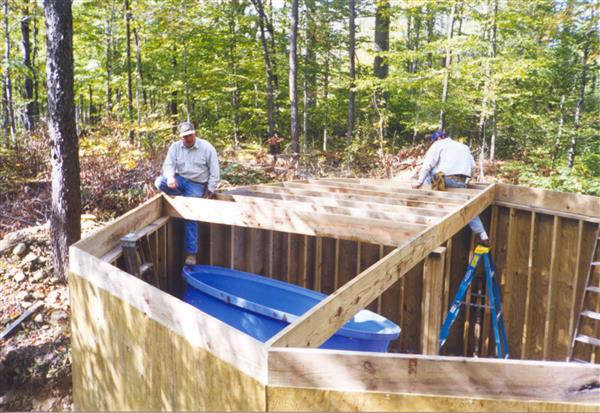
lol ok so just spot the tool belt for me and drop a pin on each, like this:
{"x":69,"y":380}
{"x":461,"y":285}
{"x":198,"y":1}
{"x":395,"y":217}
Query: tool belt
{"x":437,"y":182}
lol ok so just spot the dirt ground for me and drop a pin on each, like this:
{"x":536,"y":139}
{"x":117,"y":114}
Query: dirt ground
{"x":35,"y":363}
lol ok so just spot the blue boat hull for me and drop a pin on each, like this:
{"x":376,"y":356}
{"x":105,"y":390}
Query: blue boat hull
{"x":261,"y":307}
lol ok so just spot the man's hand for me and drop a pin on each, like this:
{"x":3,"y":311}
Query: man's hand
{"x":209,"y":195}
{"x":172,"y":183}
{"x":415,"y":185}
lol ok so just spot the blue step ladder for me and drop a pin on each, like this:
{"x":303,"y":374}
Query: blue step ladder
{"x":493,"y":293}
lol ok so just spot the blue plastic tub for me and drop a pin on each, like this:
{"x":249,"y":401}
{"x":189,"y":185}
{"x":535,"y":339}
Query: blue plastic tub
{"x":261,"y":307}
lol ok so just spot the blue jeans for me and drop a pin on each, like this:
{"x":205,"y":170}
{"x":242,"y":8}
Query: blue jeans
{"x":476,"y":225}
{"x":185,"y":187}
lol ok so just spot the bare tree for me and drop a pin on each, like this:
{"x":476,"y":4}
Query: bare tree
{"x":447,"y":63}
{"x":9,"y":120}
{"x":295,"y":132}
{"x":352,"y":69}
{"x":65,"y":218}
{"x":30,"y":115}
{"x":128,"y":57}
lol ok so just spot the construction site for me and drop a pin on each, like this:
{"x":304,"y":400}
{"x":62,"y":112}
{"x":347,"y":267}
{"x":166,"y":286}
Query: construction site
{"x":367,"y":244}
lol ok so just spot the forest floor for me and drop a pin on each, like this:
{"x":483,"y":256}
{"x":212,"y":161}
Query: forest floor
{"x":35,"y":365}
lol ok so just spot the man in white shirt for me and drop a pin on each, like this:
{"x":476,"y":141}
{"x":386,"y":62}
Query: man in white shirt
{"x":191,"y":168}
{"x":454,"y":160}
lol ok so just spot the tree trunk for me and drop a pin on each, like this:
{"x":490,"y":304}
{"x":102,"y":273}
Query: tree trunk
{"x":352,"y":70}
{"x":561,"y":123}
{"x":138,"y":65}
{"x":128,"y":57}
{"x":109,"y":41}
{"x":382,"y":38}
{"x":258,"y":5}
{"x":579,"y":106}
{"x":493,"y":41}
{"x":294,"y":78}
{"x":416,"y":42}
{"x":29,"y":115}
{"x":7,"y":80}
{"x":173,"y":102}
{"x":34,"y":52}
{"x":447,"y":63}
{"x":430,"y":26}
{"x":233,"y":80}
{"x":65,"y":218}
{"x":310,"y":73}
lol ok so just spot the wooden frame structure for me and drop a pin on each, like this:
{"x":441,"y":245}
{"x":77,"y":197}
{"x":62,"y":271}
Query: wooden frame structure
{"x":367,"y":243}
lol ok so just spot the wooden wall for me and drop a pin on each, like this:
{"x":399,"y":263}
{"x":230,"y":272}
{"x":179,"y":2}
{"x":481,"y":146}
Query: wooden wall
{"x":541,"y":263}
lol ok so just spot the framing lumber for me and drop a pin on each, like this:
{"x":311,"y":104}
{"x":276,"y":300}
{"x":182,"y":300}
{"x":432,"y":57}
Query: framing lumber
{"x":323,"y":320}
{"x":106,"y":238}
{"x":402,"y":209}
{"x":415,"y":195}
{"x":297,"y":222}
{"x":431,"y":303}
{"x":439,"y":375}
{"x":547,"y":211}
{"x":388,"y":189}
{"x":554,"y":202}
{"x":368,"y":198}
{"x":325,"y":209}
{"x":402,"y":184}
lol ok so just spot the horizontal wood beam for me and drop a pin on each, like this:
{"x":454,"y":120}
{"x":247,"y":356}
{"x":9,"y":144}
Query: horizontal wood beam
{"x":373,"y":231}
{"x":395,"y":183}
{"x":391,"y":208}
{"x":449,"y":376}
{"x":325,"y":209}
{"x":108,"y":237}
{"x":413,"y":196}
{"x":354,"y":197}
{"x":561,"y":202}
{"x":547,"y":211}
{"x":319,"y":323}
{"x":387,"y":190}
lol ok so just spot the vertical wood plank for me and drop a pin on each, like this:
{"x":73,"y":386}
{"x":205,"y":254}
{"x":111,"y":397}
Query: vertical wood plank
{"x":318,"y":264}
{"x":431,"y":310}
{"x":563,"y":285}
{"x":411,"y":311}
{"x":347,"y":257}
{"x":391,"y":306}
{"x":296,"y":253}
{"x":538,"y":287}
{"x":309,"y":265}
{"x":238,"y":248}
{"x":280,"y":254}
{"x":515,"y":285}
{"x":550,"y":296}
{"x":369,"y":255}
{"x":328,"y":265}
{"x":530,"y":299}
{"x":203,"y":242}
{"x":254,"y":251}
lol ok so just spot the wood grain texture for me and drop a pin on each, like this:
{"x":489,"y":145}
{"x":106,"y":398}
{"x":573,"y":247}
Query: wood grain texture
{"x":123,"y":359}
{"x":317,"y":400}
{"x":443,"y":376}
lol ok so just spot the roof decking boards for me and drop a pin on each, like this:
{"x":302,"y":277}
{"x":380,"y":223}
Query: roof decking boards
{"x":389,"y":228}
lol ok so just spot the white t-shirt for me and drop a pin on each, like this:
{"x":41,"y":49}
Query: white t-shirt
{"x":449,"y":157}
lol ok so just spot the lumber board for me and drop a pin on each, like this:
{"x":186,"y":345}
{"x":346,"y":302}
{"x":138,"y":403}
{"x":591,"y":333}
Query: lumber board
{"x":439,"y":375}
{"x":314,"y":192}
{"x":431,"y":310}
{"x":298,"y":222}
{"x":388,"y":189}
{"x":355,"y":212}
{"x":414,"y":195}
{"x":539,"y":283}
{"x":547,"y":211}
{"x":198,"y":328}
{"x":318,"y":400}
{"x":563,"y":284}
{"x":124,"y":359}
{"x":107,"y":237}
{"x":514,"y":293}
{"x":412,"y":288}
{"x":395,"y":183}
{"x":409,"y":211}
{"x":560,"y":202}
{"x":318,"y":324}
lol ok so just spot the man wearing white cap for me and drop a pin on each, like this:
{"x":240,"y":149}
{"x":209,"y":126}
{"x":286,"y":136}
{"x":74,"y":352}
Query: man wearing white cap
{"x":190,"y":169}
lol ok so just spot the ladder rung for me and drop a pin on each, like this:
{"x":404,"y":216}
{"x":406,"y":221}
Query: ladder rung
{"x":593,"y":289}
{"x":596,"y":263}
{"x":588,"y":340}
{"x":591,"y":314}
